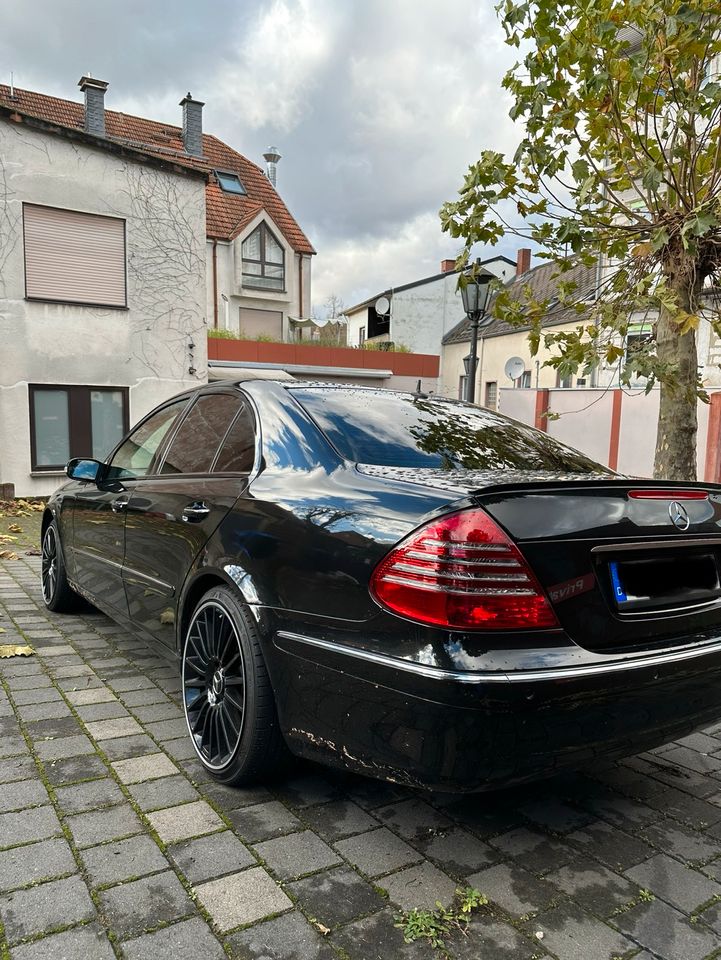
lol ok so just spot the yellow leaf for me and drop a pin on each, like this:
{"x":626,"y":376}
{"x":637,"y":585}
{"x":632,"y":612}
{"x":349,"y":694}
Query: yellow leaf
{"x":641,"y":250}
{"x":8,"y":555}
{"x":8,"y":650}
{"x":15,"y":528}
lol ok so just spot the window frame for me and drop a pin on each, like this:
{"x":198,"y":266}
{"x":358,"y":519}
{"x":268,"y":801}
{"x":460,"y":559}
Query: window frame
{"x":157,"y":464}
{"x":247,"y":278}
{"x":76,"y":303}
{"x":491,"y":404}
{"x":77,"y":410}
{"x":160,"y":452}
{"x":230,"y":173}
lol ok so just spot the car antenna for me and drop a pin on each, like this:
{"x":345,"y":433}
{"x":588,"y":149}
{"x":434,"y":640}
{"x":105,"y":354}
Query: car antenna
{"x":418,"y":393}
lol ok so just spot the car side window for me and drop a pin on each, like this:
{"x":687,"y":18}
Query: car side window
{"x":134,"y":456}
{"x":237,"y":454}
{"x":196,"y":443}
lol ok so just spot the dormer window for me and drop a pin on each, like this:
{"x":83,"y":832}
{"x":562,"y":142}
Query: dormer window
{"x":230,"y":183}
{"x":263,"y":260}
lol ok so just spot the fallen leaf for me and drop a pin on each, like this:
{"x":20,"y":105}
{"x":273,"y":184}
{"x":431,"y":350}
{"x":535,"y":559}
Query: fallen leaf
{"x":8,"y":650}
{"x":33,"y":552}
{"x":15,"y":528}
{"x":321,"y":927}
{"x":8,"y":555}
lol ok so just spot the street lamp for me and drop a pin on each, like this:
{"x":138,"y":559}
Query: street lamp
{"x":474,"y":293}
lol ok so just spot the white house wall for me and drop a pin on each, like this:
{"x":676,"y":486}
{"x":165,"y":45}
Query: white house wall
{"x":144,"y":347}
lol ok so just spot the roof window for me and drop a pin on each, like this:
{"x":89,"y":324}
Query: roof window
{"x":229,"y":182}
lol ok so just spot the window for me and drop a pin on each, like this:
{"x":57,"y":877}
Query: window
{"x":564,"y":383}
{"x":135,"y":456}
{"x":230,"y":182}
{"x":263,"y":260}
{"x":491,"y":394}
{"x":70,"y":422}
{"x":524,"y":382}
{"x":237,"y":454}
{"x":462,"y":387}
{"x":73,"y":257}
{"x":196,"y":443}
{"x":388,"y":429}
{"x":361,"y":336}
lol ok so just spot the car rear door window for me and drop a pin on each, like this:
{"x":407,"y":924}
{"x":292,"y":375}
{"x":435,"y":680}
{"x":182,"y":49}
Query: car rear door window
{"x":134,"y":456}
{"x":194,"y":446}
{"x":237,"y":454}
{"x":406,"y":430}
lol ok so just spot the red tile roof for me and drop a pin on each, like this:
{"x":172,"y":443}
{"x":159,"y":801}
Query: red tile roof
{"x":226,"y":214}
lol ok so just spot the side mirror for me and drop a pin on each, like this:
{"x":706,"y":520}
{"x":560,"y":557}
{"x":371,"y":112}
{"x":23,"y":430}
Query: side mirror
{"x":88,"y":470}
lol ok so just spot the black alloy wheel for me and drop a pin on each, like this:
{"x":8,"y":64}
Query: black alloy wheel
{"x":227,"y":696}
{"x":58,"y":595}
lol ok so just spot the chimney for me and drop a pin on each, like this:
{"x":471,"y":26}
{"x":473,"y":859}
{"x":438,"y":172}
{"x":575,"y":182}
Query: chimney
{"x":271,"y":157}
{"x":192,"y":125}
{"x":448,"y":266}
{"x":94,"y":91}
{"x":523,"y":261}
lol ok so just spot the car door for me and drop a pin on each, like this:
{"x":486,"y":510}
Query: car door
{"x":98,"y":541}
{"x":175,"y":511}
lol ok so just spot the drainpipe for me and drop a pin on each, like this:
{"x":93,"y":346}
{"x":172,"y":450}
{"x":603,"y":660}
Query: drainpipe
{"x":215,"y":284}
{"x":300,"y":286}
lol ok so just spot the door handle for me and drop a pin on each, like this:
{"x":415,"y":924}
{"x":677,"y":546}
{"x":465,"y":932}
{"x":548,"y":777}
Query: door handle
{"x":195,"y":512}
{"x":117,"y":506}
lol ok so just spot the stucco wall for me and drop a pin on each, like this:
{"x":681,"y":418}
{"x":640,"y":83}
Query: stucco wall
{"x":145,"y":347}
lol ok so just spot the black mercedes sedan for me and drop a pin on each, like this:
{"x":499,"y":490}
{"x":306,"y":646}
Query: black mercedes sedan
{"x":409,"y":587}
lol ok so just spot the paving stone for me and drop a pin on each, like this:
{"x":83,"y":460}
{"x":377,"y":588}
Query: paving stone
{"x":514,"y":889}
{"x":11,"y":746}
{"x":490,"y":940}
{"x":377,"y":852}
{"x":53,"y":710}
{"x":28,"y":825}
{"x":94,"y":712}
{"x":209,"y":857}
{"x":122,"y":748}
{"x":180,"y":749}
{"x":232,"y":798}
{"x":666,"y":932}
{"x":83,"y":943}
{"x":673,"y":882}
{"x":612,"y":846}
{"x":594,"y":886}
{"x":84,"y":697}
{"x":378,"y":938}
{"x":185,"y":821}
{"x":289,"y":937}
{"x":17,"y":768}
{"x":420,"y":886}
{"x":167,"y":792}
{"x":109,"y":729}
{"x":47,"y":695}
{"x":123,"y":859}
{"x":534,"y":849}
{"x":339,"y":818}
{"x":187,"y":940}
{"x":33,"y":862}
{"x":682,"y":843}
{"x":241,"y":898}
{"x":148,"y":767}
{"x":413,"y":819}
{"x":306,"y":791}
{"x":30,"y":682}
{"x":22,"y":794}
{"x":336,"y":896}
{"x":135,"y":698}
{"x":168,"y":729}
{"x":263,"y":821}
{"x":296,"y":854}
{"x":569,"y":933}
{"x":682,"y":806}
{"x":73,"y":769}
{"x":89,"y":796}
{"x":147,"y":713}
{"x":64,"y":747}
{"x":140,"y":905}
{"x":58,"y":727}
{"x":98,"y":826}
{"x":459,"y":852}
{"x":693,"y":760}
{"x":45,"y":907}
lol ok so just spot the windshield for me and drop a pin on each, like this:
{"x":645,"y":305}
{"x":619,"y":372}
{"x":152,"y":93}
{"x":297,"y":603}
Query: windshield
{"x":401,"y":430}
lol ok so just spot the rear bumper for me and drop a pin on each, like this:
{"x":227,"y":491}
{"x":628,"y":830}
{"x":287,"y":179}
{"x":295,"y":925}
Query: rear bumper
{"x":473,"y":730}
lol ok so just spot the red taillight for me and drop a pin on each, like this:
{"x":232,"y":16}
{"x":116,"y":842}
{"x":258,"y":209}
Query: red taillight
{"x":462,"y":571}
{"x":667,"y":495}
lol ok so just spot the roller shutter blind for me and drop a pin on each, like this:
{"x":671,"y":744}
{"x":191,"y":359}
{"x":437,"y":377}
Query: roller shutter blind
{"x":74,"y":257}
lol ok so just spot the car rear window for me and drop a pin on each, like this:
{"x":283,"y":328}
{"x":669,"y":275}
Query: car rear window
{"x":402,"y":430}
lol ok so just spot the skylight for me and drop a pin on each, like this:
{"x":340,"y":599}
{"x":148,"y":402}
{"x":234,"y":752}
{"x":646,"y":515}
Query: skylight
{"x":229,"y":182}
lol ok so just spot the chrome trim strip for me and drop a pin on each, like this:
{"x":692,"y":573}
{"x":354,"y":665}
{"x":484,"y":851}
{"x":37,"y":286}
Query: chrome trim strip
{"x":654,"y":544}
{"x":517,"y":676}
{"x":167,"y":587}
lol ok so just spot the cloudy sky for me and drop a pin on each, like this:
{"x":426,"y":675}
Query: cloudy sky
{"x":377,"y":106}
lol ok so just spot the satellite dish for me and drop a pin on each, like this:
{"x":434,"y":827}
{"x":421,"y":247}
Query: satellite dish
{"x":382,"y":306}
{"x":514,"y":368}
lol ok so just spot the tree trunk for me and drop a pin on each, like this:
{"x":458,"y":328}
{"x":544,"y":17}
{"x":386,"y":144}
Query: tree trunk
{"x":677,"y":420}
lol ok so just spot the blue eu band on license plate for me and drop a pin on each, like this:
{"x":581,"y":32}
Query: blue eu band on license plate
{"x":618,"y":591}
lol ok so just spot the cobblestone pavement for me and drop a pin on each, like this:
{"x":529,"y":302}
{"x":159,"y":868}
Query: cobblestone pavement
{"x":113,"y":842}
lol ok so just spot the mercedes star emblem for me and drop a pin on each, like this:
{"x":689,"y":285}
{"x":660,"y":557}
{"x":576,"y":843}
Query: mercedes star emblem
{"x":679,"y":516}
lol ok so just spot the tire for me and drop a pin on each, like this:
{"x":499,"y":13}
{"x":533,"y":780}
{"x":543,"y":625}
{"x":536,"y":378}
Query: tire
{"x":227,"y":695}
{"x":58,"y":595}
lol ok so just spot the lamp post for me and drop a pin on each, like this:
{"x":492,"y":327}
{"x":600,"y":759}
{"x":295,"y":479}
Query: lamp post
{"x":474,"y":293}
